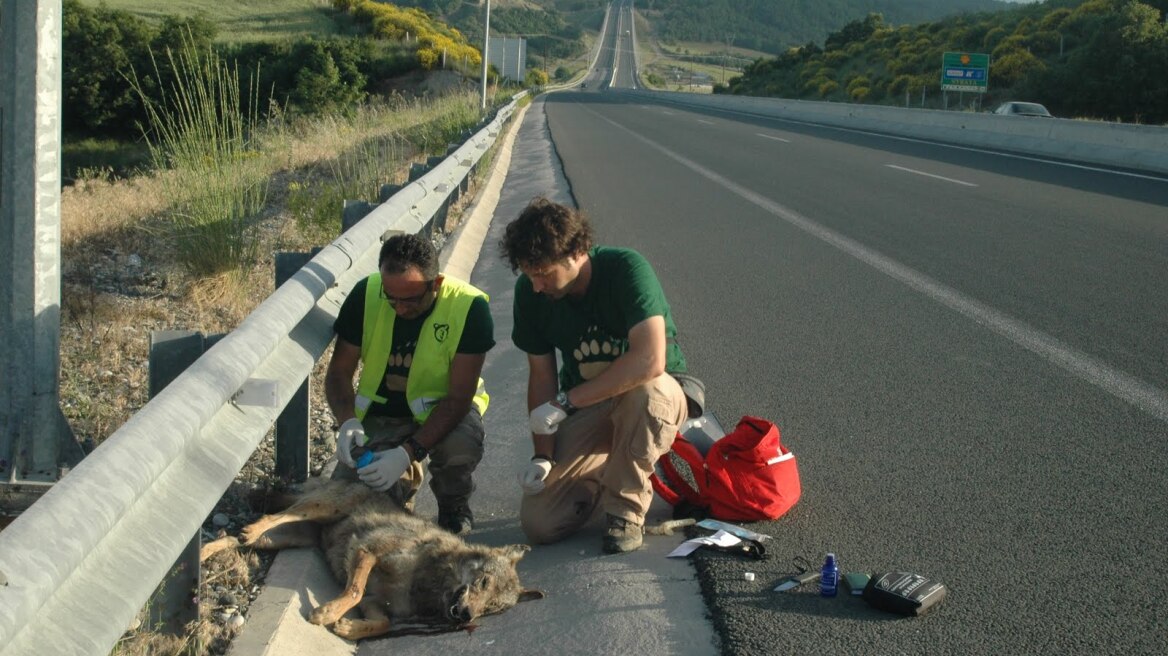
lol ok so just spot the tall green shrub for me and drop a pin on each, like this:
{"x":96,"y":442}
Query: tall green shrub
{"x":201,"y":137}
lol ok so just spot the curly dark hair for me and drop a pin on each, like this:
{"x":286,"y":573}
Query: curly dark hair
{"x":545,"y":232}
{"x":400,"y":252}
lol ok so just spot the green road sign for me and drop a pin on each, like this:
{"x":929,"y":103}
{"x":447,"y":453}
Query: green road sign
{"x":965,"y":71}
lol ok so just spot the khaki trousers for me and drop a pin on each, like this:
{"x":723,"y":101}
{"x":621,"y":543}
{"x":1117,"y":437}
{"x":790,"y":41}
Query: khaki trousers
{"x":604,"y":455}
{"x":452,"y":461}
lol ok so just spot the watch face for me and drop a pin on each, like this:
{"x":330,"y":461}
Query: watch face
{"x":420,"y":452}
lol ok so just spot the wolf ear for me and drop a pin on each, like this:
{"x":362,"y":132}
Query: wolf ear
{"x":514,"y":551}
{"x":531,"y":595}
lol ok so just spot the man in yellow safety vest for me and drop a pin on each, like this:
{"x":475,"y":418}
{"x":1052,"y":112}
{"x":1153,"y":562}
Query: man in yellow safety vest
{"x":421,"y":338}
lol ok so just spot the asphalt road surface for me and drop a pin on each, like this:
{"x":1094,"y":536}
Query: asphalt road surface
{"x":966,"y":351}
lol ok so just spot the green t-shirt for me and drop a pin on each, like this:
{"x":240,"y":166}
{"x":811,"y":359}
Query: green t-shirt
{"x":478,"y":336}
{"x":593,"y":330}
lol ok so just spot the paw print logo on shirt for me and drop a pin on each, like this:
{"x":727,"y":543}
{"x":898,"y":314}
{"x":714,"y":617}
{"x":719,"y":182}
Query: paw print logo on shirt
{"x":397,"y":372}
{"x":596,"y":351}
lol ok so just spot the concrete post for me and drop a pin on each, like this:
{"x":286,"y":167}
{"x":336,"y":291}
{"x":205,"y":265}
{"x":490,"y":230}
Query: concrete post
{"x":32,"y":428}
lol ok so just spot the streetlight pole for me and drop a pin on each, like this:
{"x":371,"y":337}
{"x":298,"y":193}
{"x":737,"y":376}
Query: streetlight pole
{"x":486,"y":41}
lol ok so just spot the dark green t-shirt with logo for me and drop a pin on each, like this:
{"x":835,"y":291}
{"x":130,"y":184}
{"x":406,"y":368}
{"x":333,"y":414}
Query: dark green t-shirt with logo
{"x":593,"y":330}
{"x":478,"y":336}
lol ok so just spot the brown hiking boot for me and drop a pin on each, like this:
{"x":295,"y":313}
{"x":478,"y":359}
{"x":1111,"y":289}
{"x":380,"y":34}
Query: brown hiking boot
{"x":621,"y":535}
{"x":458,"y":521}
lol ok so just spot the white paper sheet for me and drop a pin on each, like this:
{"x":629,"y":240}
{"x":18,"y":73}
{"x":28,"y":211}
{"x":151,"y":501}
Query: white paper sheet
{"x":719,"y":539}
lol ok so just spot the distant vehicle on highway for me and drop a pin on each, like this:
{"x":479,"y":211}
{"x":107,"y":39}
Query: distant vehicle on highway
{"x":1022,"y":109}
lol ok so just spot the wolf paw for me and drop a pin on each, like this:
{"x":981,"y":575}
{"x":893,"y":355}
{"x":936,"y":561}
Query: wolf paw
{"x":345,"y":628}
{"x":321,"y":616}
{"x":251,"y":534}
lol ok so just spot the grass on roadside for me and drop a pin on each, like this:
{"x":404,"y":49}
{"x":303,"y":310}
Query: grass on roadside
{"x":202,"y":134}
{"x":120,"y":278}
{"x":244,"y":22}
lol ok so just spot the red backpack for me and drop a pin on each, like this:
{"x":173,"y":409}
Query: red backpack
{"x":747,"y":475}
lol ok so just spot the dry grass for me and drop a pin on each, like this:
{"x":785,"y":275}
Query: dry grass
{"x":254,"y":20}
{"x":208,"y":634}
{"x":120,"y":281}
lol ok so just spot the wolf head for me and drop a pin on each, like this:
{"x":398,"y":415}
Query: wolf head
{"x":481,"y":582}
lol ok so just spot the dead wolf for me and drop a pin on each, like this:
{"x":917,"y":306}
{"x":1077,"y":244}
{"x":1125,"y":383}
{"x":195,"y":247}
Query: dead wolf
{"x":395,"y":565}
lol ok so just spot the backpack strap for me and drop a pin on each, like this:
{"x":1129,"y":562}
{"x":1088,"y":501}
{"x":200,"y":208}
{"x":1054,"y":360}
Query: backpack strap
{"x":678,"y":487}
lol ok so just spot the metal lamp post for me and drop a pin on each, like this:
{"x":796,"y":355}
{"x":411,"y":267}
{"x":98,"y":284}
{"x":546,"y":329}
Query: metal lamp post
{"x":486,"y":41}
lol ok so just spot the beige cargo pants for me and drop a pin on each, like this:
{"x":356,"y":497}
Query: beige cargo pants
{"x":604,"y":455}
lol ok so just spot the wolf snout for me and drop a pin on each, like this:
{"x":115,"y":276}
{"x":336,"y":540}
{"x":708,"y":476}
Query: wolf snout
{"x":459,"y":611}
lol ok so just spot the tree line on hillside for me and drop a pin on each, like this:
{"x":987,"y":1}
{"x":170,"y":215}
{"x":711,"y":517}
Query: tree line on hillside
{"x":774,"y":25}
{"x":104,"y":49}
{"x":546,"y":30}
{"x":1100,"y":59}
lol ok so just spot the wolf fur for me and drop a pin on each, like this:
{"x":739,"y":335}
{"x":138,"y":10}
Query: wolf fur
{"x":395,"y":566}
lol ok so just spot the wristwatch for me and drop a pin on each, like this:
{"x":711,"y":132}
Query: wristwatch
{"x":562,"y":399}
{"x":420,"y":452}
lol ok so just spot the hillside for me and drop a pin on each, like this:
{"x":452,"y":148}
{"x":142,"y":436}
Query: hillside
{"x":761,"y":25}
{"x":774,"y":25}
{"x":1081,"y":58}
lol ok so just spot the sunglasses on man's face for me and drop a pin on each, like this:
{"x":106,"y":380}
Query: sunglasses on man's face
{"x":408,"y":300}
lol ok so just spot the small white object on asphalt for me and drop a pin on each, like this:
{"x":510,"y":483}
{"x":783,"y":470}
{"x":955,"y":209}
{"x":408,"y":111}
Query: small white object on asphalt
{"x":749,"y":576}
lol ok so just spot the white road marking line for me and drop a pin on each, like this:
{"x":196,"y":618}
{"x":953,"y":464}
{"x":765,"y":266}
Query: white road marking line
{"x":767,"y":136}
{"x":931,"y":175}
{"x":1120,"y":384}
{"x":702,"y":120}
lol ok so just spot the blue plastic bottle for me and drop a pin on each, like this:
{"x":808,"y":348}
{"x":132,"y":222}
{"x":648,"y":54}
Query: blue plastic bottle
{"x":829,"y":577}
{"x":364,"y":459}
{"x":361,"y":454}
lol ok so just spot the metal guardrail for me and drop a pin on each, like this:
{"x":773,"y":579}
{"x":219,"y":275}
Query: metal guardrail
{"x":78,"y":566}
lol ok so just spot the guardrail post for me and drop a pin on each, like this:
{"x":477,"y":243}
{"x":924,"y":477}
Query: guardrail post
{"x":174,"y":603}
{"x":292,"y":443}
{"x":417,"y":171}
{"x":387,"y":191}
{"x":353,"y":211}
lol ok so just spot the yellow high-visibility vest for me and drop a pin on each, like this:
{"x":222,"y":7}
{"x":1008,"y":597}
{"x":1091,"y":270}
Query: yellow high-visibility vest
{"x":429,"y":379}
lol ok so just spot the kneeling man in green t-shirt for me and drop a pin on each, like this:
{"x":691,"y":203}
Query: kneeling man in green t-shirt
{"x":600,"y":422}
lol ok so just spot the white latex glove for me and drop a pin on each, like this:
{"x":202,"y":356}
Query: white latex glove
{"x":351,"y":433}
{"x":532,"y":477}
{"x":546,"y":418}
{"x":386,"y":468}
